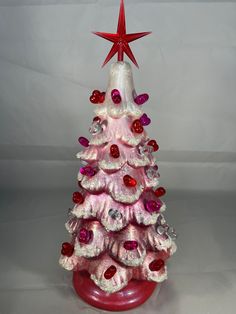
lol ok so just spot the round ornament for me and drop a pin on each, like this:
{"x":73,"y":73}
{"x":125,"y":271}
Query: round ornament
{"x":77,"y":198}
{"x":160,"y":191}
{"x":114,"y":214}
{"x":67,"y":249}
{"x":110,"y":272}
{"x":115,"y":96}
{"x":156,"y":265}
{"x":114,"y":151}
{"x":129,"y":181}
{"x":130,"y":245}
{"x":141,"y":99}
{"x":85,"y":235}
{"x":137,"y":127}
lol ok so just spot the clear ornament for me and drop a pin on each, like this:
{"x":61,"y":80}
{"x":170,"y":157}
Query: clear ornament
{"x":114,"y":214}
{"x":152,"y":172}
{"x":96,"y":128}
{"x":160,"y":230}
{"x":161,"y":220}
{"x":144,"y":150}
{"x":172,"y":233}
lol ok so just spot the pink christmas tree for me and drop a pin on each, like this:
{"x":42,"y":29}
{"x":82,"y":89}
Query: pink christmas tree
{"x":118,"y":230}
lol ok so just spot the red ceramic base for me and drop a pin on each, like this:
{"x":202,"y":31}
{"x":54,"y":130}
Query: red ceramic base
{"x":133,"y":295}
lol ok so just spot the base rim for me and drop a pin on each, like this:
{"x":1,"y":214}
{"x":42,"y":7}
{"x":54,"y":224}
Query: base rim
{"x":131,"y":296}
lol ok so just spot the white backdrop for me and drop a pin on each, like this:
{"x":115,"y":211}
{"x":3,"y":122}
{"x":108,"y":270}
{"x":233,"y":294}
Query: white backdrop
{"x":50,"y":62}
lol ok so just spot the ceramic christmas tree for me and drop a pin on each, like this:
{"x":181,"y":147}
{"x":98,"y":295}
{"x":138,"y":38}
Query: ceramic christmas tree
{"x":120,"y":241}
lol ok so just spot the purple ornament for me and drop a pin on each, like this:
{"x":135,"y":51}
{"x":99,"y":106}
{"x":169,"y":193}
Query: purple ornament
{"x":153,"y":206}
{"x":145,"y":120}
{"x":141,"y":99}
{"x":84,"y":141}
{"x":87,"y":171}
{"x":85,"y":235}
{"x":116,"y":97}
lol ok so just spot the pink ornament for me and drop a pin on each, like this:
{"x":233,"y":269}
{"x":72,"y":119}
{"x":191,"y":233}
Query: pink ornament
{"x":85,"y":235}
{"x":130,"y":245}
{"x":87,"y":171}
{"x":145,"y":120}
{"x":141,"y":99}
{"x":152,"y":206}
{"x":84,"y":141}
{"x":116,"y":97}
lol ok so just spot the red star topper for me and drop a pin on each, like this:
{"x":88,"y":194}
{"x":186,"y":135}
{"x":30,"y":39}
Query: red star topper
{"x":121,"y":39}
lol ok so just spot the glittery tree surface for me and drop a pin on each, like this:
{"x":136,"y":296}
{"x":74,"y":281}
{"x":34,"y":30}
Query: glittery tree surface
{"x":118,"y":230}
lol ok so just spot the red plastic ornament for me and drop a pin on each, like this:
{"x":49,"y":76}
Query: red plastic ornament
{"x":160,"y":192}
{"x":102,"y":97}
{"x":94,"y":98}
{"x":97,"y":119}
{"x":67,"y":249}
{"x":129,"y":181}
{"x":114,"y":151}
{"x":96,"y":93}
{"x":78,"y":198}
{"x":137,"y":127}
{"x":130,"y":245}
{"x":156,"y":265}
{"x":110,"y":272}
{"x":154,"y":145}
{"x":85,"y":235}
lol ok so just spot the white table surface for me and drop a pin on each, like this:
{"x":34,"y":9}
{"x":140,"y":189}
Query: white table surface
{"x":202,"y":274}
